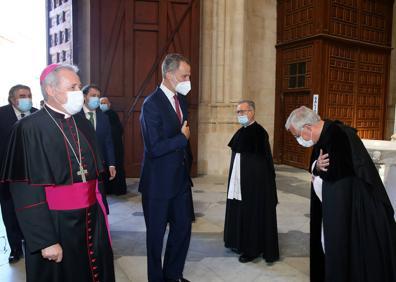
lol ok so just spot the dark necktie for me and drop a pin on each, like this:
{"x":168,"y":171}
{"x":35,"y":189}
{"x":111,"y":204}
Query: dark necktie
{"x":22,"y":115}
{"x":91,"y":118}
{"x":177,"y":106}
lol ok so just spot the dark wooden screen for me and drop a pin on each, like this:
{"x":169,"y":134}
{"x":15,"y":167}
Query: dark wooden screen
{"x":61,"y":39}
{"x":348,"y":65}
{"x":128,"y":42}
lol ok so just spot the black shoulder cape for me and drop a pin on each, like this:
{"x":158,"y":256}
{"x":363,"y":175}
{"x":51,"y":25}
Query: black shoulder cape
{"x":36,"y":150}
{"x":250,"y":225}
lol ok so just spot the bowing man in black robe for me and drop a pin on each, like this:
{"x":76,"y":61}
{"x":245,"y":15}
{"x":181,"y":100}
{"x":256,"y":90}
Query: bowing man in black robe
{"x":250,"y":223}
{"x":52,"y":164}
{"x":117,"y":186}
{"x":353,"y":232}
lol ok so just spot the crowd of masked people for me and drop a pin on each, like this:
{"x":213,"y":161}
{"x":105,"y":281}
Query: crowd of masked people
{"x":59,"y":162}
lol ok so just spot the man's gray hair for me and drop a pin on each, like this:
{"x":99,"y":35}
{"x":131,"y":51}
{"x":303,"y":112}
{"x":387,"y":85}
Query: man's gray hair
{"x":172,"y":63}
{"x":52,"y":78}
{"x":14,"y":89}
{"x":300,"y":117}
{"x":250,"y":103}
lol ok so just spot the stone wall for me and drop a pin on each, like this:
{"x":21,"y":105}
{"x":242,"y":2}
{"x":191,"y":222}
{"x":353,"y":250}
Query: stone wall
{"x":238,"y":58}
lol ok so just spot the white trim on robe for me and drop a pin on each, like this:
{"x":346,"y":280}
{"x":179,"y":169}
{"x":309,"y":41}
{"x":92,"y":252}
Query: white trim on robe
{"x":234,"y":190}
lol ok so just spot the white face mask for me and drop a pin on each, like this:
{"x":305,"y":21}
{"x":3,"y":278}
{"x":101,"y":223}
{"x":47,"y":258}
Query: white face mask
{"x":304,"y":142}
{"x":74,"y":103}
{"x":183,"y":87}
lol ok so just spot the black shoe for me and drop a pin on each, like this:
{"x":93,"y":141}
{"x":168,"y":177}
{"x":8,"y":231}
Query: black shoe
{"x":270,"y":261}
{"x":236,"y":251}
{"x":246,"y":258}
{"x":15,"y":256}
{"x":177,"y":280}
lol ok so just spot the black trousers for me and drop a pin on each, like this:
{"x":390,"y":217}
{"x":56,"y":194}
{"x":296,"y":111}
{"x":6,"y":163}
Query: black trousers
{"x":11,"y":224}
{"x":157,"y":214}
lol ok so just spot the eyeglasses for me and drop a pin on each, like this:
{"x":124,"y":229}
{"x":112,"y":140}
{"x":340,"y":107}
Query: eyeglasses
{"x":242,"y":111}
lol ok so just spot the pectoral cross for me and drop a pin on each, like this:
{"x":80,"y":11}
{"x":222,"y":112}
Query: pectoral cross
{"x":82,"y":172}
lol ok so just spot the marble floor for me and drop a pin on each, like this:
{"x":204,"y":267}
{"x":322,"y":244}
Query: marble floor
{"x":208,"y":260}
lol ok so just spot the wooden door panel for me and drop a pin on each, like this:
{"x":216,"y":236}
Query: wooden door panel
{"x":293,"y":153}
{"x":129,"y":40}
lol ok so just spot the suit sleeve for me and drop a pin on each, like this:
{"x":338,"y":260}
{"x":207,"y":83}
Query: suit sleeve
{"x":156,"y":143}
{"x":33,"y":215}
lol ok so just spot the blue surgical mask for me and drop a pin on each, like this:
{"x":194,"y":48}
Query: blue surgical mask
{"x":104,"y":107}
{"x":243,"y":120}
{"x":24,"y":104}
{"x":93,"y":103}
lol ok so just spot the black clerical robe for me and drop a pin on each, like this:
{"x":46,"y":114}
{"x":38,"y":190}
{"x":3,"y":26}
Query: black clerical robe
{"x":38,"y":160}
{"x":118,"y":185}
{"x":250,"y":225}
{"x":358,"y":223}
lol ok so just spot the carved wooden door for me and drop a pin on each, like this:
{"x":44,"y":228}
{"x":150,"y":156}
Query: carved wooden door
{"x":294,"y":154}
{"x":129,"y":40}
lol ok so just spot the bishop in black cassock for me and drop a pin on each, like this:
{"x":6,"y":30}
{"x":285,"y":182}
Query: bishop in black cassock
{"x":53,"y":165}
{"x":250,"y":223}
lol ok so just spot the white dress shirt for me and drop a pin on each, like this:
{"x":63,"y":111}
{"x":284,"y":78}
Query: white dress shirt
{"x":18,"y":113}
{"x":87,"y":115}
{"x":317,"y":183}
{"x":169,"y":94}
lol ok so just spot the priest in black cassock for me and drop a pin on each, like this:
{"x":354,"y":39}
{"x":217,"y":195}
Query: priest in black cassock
{"x":117,"y":186}
{"x":353,"y":231}
{"x":250,"y":222}
{"x":53,"y":167}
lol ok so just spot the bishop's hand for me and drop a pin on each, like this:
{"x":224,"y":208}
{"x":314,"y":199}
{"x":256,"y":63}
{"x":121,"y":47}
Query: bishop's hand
{"x":53,"y":253}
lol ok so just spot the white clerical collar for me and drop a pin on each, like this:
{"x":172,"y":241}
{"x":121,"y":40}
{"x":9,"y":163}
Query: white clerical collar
{"x":16,"y":110}
{"x":58,"y":111}
{"x":167,"y":91}
{"x":250,"y":123}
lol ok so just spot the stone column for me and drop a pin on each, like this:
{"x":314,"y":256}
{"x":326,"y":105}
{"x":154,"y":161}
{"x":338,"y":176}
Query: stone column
{"x":391,"y":101}
{"x":237,"y":62}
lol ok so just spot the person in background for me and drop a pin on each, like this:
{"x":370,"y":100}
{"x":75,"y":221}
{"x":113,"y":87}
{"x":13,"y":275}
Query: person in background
{"x":20,"y":106}
{"x":101,"y":124}
{"x":250,"y":226}
{"x":117,"y":186}
{"x":352,"y":228}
